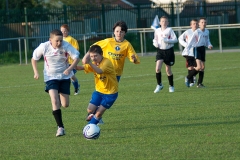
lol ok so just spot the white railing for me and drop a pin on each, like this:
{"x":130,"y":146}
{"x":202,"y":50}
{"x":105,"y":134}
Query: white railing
{"x":141,"y":31}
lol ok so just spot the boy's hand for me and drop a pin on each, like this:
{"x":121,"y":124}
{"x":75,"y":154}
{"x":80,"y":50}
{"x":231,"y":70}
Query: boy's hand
{"x":210,"y":47}
{"x":134,"y":58}
{"x":36,"y":76}
{"x":66,"y":72}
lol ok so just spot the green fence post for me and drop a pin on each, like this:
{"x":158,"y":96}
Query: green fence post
{"x":139,"y":16}
{"x":103,"y":19}
{"x":205,"y":9}
{"x":172,"y":15}
{"x":65,"y":14}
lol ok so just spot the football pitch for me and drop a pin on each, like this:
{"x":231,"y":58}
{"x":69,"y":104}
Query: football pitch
{"x":191,"y":123}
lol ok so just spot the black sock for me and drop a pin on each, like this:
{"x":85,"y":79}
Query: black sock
{"x":58,"y":117}
{"x":201,"y":75}
{"x":159,"y":78}
{"x":192,"y":73}
{"x":191,"y":79}
{"x":170,"y":79}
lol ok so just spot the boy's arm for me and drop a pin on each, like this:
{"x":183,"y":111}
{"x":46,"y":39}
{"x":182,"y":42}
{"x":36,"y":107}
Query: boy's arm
{"x":209,"y":43}
{"x":79,"y":68}
{"x":37,"y":54}
{"x":182,"y":40}
{"x":132,"y":56}
{"x":95,"y":68}
{"x":72,"y":66}
{"x":193,"y":40}
{"x":34,"y":66}
{"x":86,"y":58}
{"x":172,"y":38}
{"x":155,"y":40}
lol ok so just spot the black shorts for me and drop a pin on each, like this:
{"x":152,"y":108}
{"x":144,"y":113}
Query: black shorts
{"x":200,"y":53}
{"x":63,"y":86}
{"x":166,"y":55}
{"x":190,"y":61}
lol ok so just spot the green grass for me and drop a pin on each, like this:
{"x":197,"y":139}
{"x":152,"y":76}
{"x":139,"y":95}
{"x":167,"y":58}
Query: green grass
{"x":190,"y":123}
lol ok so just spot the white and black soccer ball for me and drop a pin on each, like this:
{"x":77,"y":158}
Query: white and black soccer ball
{"x":91,"y":131}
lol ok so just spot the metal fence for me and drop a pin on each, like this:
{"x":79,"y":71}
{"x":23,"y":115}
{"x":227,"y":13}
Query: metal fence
{"x":95,"y":22}
{"x":222,"y":37}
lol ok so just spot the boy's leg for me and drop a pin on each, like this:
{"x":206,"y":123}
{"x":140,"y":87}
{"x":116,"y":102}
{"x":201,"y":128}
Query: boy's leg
{"x":56,"y":111}
{"x":59,"y":93}
{"x":75,"y":84}
{"x":159,"y":64}
{"x":97,"y":117}
{"x":201,"y":75}
{"x":170,"y":78}
{"x":159,"y":76}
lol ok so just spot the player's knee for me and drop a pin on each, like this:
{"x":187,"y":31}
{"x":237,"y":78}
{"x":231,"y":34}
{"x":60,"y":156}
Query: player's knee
{"x":65,"y":105}
{"x":197,"y":68}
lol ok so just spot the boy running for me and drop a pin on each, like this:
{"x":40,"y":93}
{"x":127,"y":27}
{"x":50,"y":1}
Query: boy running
{"x":116,"y":49}
{"x":164,"y":39}
{"x":66,"y":37}
{"x":199,"y":41}
{"x":106,"y":83}
{"x":57,"y":72}
{"x":190,"y":59}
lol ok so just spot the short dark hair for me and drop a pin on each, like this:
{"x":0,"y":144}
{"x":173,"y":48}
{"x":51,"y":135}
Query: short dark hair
{"x":164,"y":17}
{"x":121,"y":24}
{"x":56,"y":32}
{"x":96,"y":49}
{"x":195,"y":20}
{"x":201,"y":18}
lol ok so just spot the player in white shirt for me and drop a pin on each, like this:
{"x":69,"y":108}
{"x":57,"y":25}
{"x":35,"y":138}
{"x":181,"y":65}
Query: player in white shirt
{"x":199,"y":41}
{"x":164,"y":39}
{"x":57,"y":72}
{"x":190,"y":59}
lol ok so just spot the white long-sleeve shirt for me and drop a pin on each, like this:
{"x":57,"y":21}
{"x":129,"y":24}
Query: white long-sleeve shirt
{"x":55,"y":60}
{"x":183,"y":40}
{"x":199,"y":38}
{"x":164,"y":39}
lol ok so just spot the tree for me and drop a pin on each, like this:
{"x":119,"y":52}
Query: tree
{"x":18,"y":4}
{"x":82,"y":2}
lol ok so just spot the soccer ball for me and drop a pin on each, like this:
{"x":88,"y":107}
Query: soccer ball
{"x":91,"y":131}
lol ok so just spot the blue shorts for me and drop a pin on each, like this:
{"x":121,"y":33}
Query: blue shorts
{"x":63,"y":85}
{"x":106,"y":100}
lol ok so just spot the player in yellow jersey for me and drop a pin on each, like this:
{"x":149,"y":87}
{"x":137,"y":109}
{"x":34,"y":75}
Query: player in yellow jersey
{"x":66,"y":37}
{"x":116,"y":49}
{"x":106,"y":83}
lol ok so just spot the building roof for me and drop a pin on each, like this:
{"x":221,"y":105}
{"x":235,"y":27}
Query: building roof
{"x":139,"y":1}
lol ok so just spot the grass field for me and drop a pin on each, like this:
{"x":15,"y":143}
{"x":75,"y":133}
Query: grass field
{"x":190,"y":123}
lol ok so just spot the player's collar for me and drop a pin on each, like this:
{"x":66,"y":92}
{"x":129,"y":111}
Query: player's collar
{"x":119,"y":41}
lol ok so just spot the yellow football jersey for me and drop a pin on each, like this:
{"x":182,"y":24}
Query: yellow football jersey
{"x":105,"y":82}
{"x":74,"y":43}
{"x":116,"y":52}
